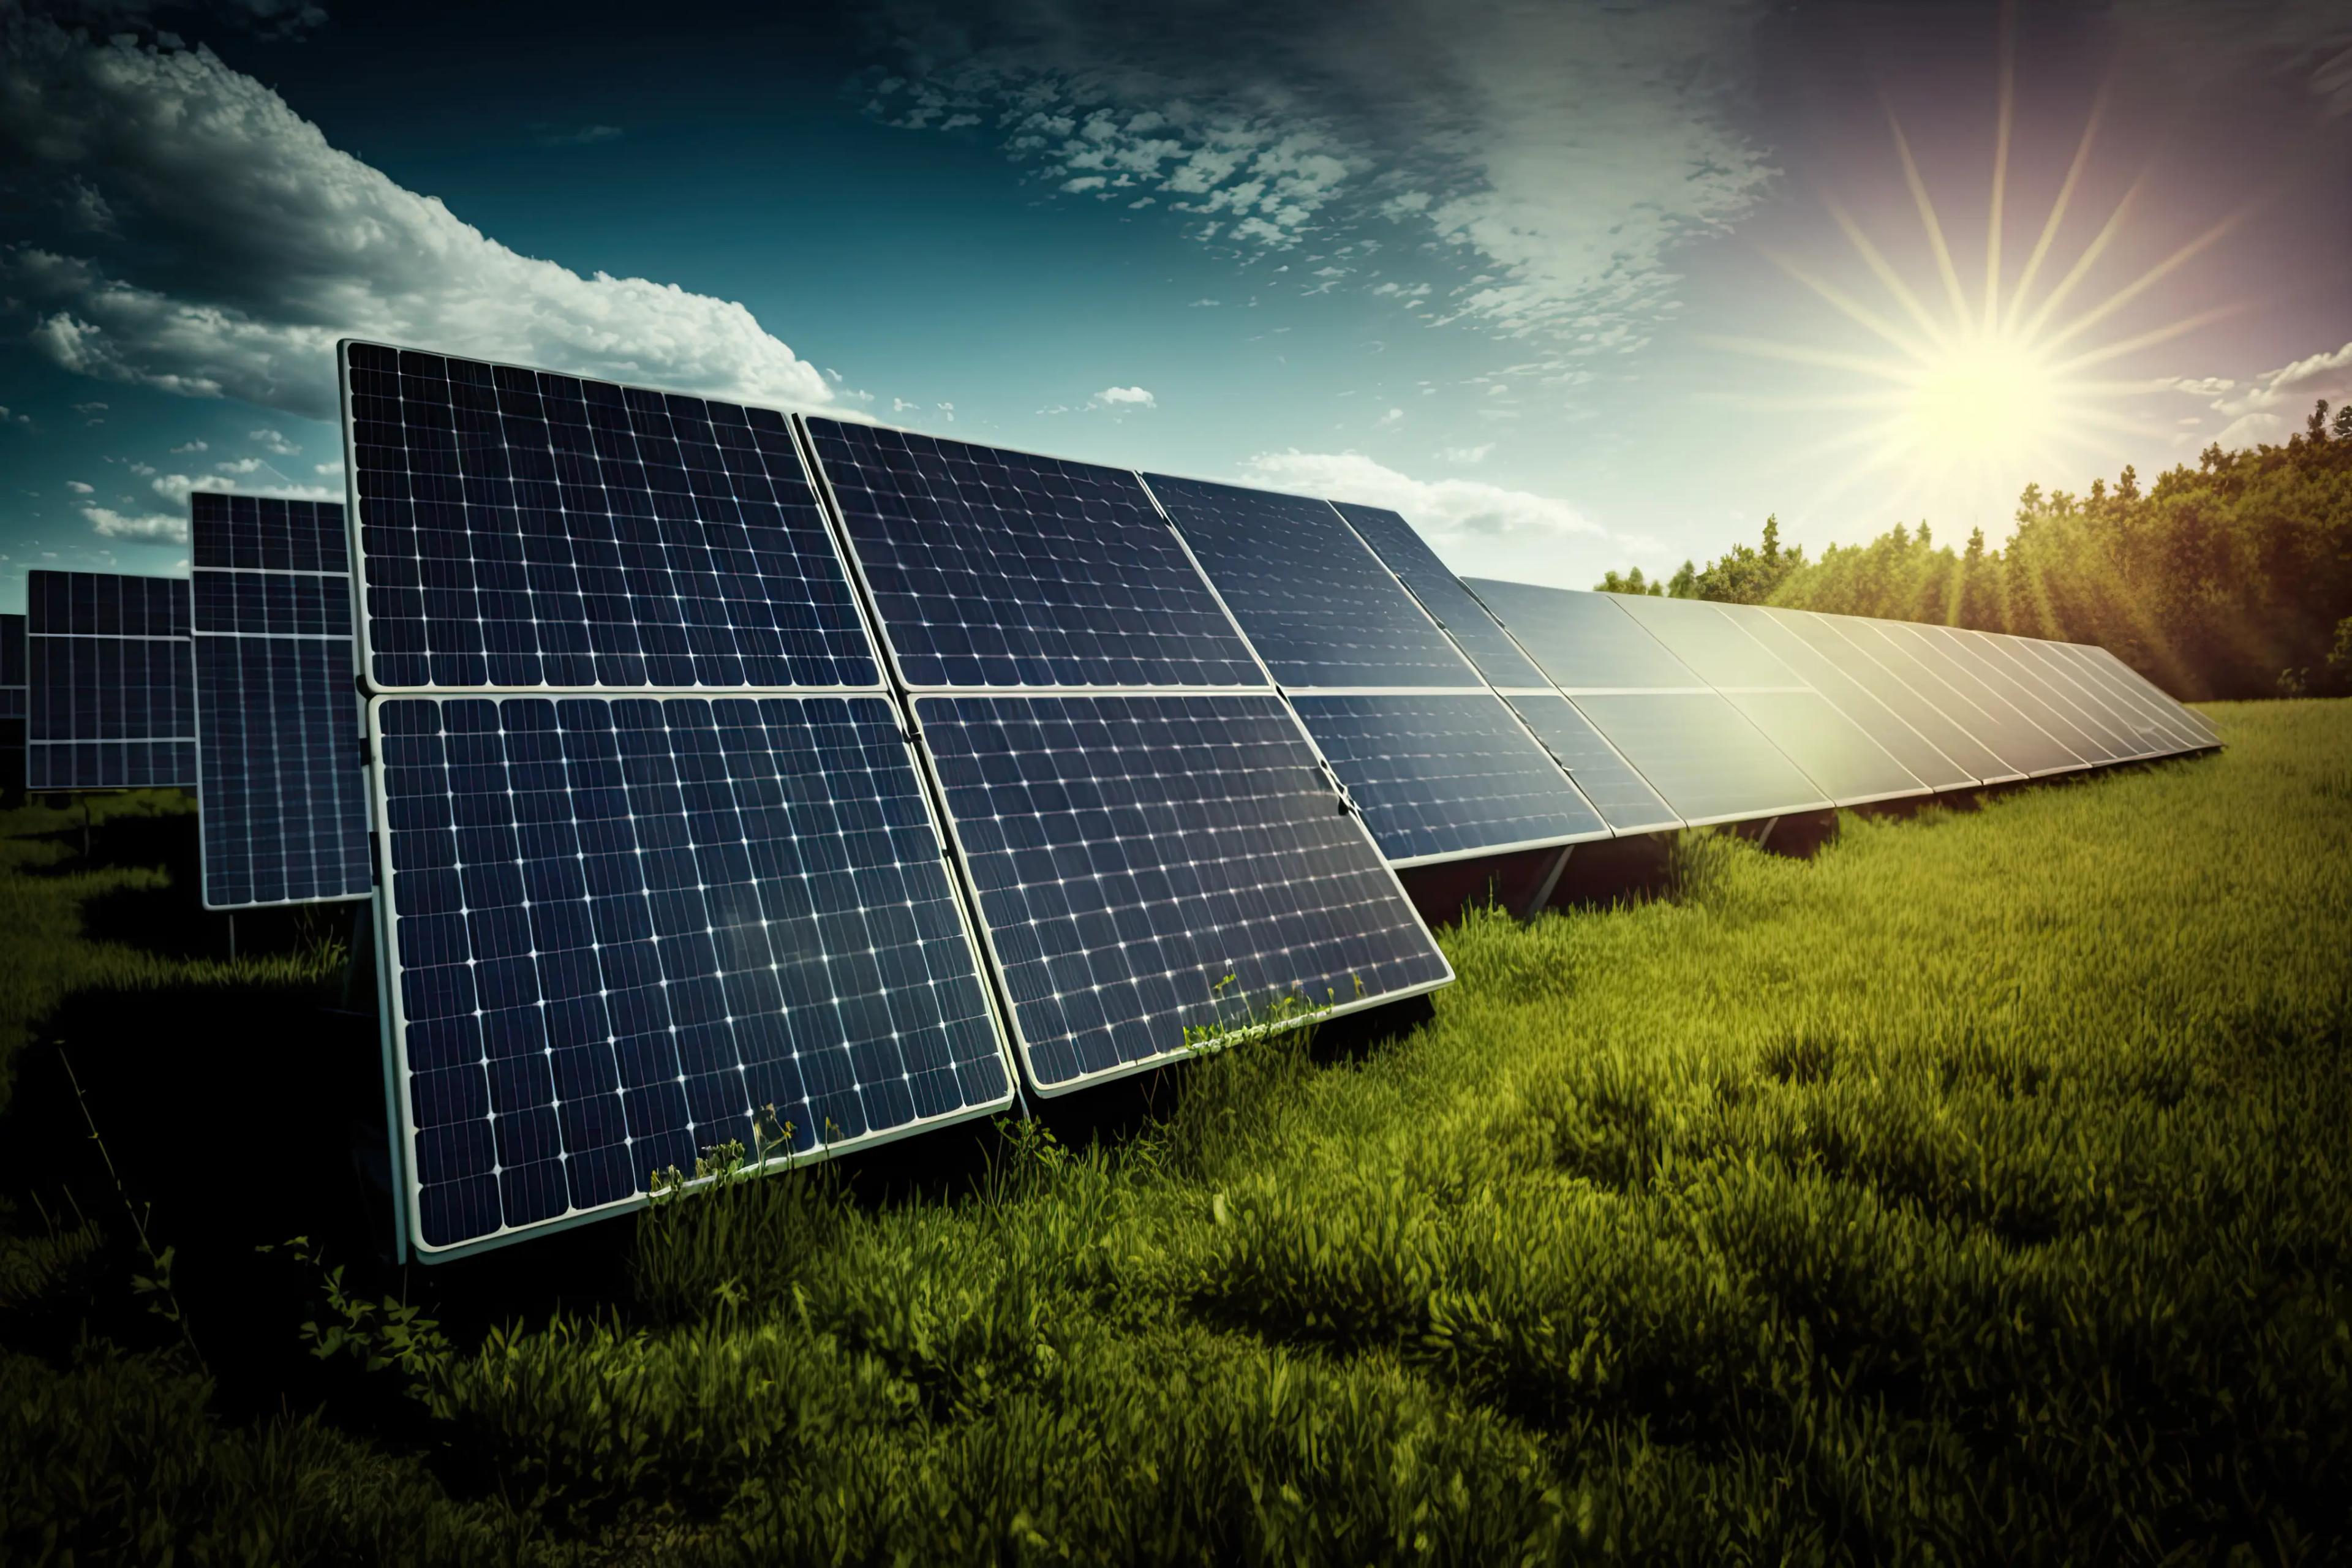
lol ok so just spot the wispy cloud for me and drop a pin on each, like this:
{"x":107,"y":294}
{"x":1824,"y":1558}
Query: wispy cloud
{"x":586,"y":136}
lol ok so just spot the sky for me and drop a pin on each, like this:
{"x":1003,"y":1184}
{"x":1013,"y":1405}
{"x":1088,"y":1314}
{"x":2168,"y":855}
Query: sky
{"x":1574,"y":287}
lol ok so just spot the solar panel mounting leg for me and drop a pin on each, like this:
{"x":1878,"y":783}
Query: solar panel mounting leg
{"x":1534,"y":906}
{"x":351,"y":952}
{"x":232,"y":937}
{"x":1765,"y":837}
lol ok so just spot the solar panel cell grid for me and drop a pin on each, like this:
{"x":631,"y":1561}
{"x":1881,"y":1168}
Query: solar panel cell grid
{"x":1707,"y":761}
{"x":1583,"y":641}
{"x":1316,"y":603}
{"x":1445,"y":773}
{"x":111,"y":701}
{"x":623,"y":927}
{"x":998,"y":569}
{"x":1621,"y":795}
{"x":1148,"y":864}
{"x":523,"y":529}
{"x":1465,"y":620}
{"x":12,"y":667}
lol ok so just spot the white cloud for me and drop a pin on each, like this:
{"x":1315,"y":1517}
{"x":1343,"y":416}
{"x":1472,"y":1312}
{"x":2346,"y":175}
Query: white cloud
{"x":2273,"y":406}
{"x":241,"y":466}
{"x":80,"y":489}
{"x":280,"y":244}
{"x":1126,"y":398}
{"x":271,"y":442}
{"x":171,"y":527}
{"x":1469,"y":457}
{"x":1480,"y":528}
{"x":187,"y":446}
{"x":333,"y":470}
{"x":6,"y":417}
{"x":1393,"y":417}
{"x":175,"y":486}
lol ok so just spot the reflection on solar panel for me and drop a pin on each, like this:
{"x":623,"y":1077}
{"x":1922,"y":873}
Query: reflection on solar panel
{"x":2163,"y":721}
{"x":1150,"y":864}
{"x":1939,"y":665}
{"x":1828,"y":674}
{"x":2183,"y":715}
{"x":1130,"y":848}
{"x":621,"y":926}
{"x":1436,"y":760}
{"x":2094,"y":710}
{"x":1451,"y":605}
{"x":520,"y":529}
{"x":996,"y":569}
{"x":1833,"y":751}
{"x":111,"y":704}
{"x":626,"y":926}
{"x":2032,"y":697}
{"x":1621,"y":796}
{"x":1317,"y":605}
{"x":1709,"y":762}
{"x":1908,"y":691}
{"x":280,"y":790}
{"x":1583,"y":641}
{"x":1442,"y":775}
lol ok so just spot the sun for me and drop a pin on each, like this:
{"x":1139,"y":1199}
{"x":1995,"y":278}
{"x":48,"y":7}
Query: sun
{"x":1997,"y":383}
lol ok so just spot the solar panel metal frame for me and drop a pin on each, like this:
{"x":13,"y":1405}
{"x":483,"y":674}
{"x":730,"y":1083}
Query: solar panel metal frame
{"x":185,"y":698}
{"x":1476,"y":685}
{"x":908,"y":694}
{"x":391,"y":1011}
{"x":354,"y":736}
{"x":1508,"y":690}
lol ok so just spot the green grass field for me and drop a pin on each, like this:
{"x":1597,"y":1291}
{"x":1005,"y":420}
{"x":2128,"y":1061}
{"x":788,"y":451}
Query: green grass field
{"x":1975,"y":1191}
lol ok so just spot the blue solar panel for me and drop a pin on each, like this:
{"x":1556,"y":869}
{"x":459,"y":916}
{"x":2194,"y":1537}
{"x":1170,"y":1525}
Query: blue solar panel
{"x":1584,"y":642}
{"x":281,"y":794}
{"x":12,"y":667}
{"x":111,"y":701}
{"x":995,"y":568}
{"x":1441,"y":593}
{"x":1316,"y":603}
{"x":523,"y":529}
{"x":1616,"y":790}
{"x":1442,"y":775}
{"x":1150,"y":864}
{"x":625,"y":926}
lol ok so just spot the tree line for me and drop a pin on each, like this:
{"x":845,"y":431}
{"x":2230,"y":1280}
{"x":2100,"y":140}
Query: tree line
{"x":2231,"y":579}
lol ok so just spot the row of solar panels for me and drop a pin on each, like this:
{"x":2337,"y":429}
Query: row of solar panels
{"x":744,"y":771}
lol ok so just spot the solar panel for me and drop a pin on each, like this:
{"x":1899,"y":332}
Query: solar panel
{"x":12,"y":667}
{"x":1937,"y":667}
{"x":704,"y":895}
{"x":1438,"y":762}
{"x":111,"y":704}
{"x":521,"y":529}
{"x":1583,"y":641}
{"x":1834,"y":752}
{"x":626,"y":926}
{"x":1130,"y":848}
{"x":1000,"y":569}
{"x":1452,"y":606}
{"x":1825,"y":674}
{"x":1907,"y":689}
{"x":2051,"y":708}
{"x":1624,"y":799}
{"x":2180,"y":713}
{"x":2123,"y":733}
{"x":2160,"y":715}
{"x":1317,"y":604}
{"x":1443,"y":774}
{"x":1701,"y":756}
{"x":1148,"y":865}
{"x":1969,"y":650}
{"x":280,"y":790}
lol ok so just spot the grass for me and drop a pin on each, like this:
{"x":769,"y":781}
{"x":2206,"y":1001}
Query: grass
{"x":1975,"y":1191}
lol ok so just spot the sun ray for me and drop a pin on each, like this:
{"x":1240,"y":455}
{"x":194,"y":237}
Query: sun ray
{"x":2066,"y":196}
{"x":2001,"y":165}
{"x":1886,"y":274}
{"x":2148,"y":280}
{"x":1798,"y":353}
{"x":1854,"y":308}
{"x":1928,"y":216}
{"x":2152,"y":337}
{"x":2083,"y":264}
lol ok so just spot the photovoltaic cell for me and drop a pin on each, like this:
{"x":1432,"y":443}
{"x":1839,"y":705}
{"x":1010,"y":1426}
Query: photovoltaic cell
{"x":995,"y":568}
{"x":281,"y":795}
{"x":1452,"y":606}
{"x":1445,"y":773}
{"x":520,"y":529}
{"x":2026,"y":750}
{"x":627,"y":926}
{"x":1829,"y":675}
{"x":111,"y":701}
{"x":1621,"y":796}
{"x":1317,"y":604}
{"x":1149,"y":864}
{"x":1892,"y":675}
{"x":1701,"y":756}
{"x":1583,"y":641}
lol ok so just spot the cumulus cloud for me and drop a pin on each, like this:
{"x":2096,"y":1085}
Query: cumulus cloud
{"x":1477,"y":527}
{"x":271,"y":442}
{"x":80,"y":489}
{"x":1557,"y":152}
{"x":247,"y":245}
{"x":168,"y":527}
{"x":184,"y":447}
{"x":1469,"y":457}
{"x":1126,"y":398}
{"x":240,"y":466}
{"x":2273,"y":406}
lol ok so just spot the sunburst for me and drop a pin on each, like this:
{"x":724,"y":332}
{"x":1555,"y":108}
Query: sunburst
{"x":1968,"y":399}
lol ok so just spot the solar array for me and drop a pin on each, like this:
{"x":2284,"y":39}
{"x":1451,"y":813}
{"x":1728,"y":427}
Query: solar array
{"x":281,"y":793}
{"x":12,"y":702}
{"x":1159,"y":856}
{"x":1442,"y":766}
{"x":110,"y":703}
{"x":659,"y":871}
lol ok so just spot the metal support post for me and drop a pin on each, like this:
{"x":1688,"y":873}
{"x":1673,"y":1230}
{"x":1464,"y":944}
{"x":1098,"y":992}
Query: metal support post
{"x":1534,"y":906}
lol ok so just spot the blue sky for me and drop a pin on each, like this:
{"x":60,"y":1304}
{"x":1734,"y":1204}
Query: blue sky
{"x":1566,"y":285}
